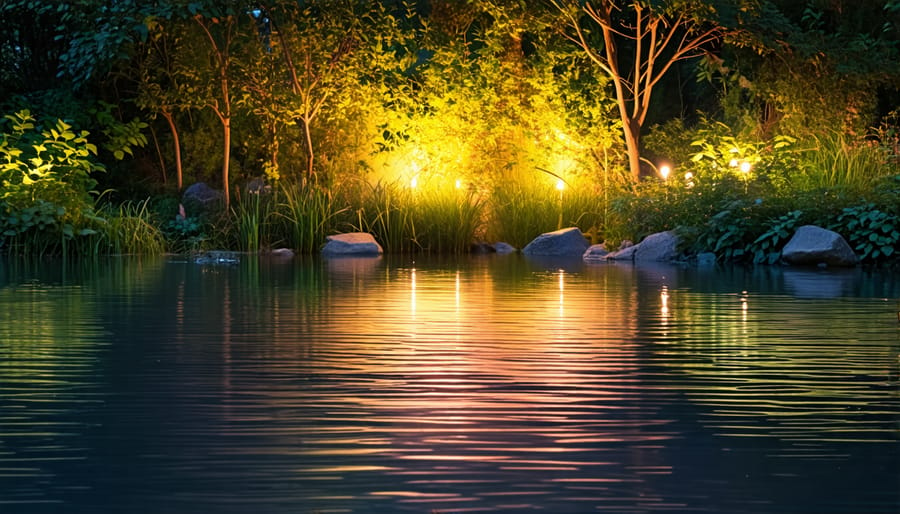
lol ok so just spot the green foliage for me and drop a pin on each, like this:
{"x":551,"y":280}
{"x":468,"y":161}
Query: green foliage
{"x":446,"y":219}
{"x":304,"y":214}
{"x":837,"y":161}
{"x":872,"y":233}
{"x":523,"y":210}
{"x":724,"y":234}
{"x":721,"y":155}
{"x":130,"y":229}
{"x":45,"y":172}
{"x":385,"y":211}
{"x":767,"y":247}
{"x":122,"y":138}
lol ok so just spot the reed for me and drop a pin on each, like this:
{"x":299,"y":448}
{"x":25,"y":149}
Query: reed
{"x":128,"y":230}
{"x":522,"y":210}
{"x":385,"y":210}
{"x":448,"y":217}
{"x":250,"y":218}
{"x":836,"y":161}
{"x":305,"y":215}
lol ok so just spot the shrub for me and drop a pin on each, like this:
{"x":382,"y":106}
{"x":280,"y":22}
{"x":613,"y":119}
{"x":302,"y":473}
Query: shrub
{"x":131,"y":230}
{"x":45,"y":173}
{"x":872,"y":233}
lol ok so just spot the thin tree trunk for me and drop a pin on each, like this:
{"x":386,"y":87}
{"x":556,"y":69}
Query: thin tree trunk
{"x":310,"y":161}
{"x":632,"y":131}
{"x":226,"y":129}
{"x":162,"y":161}
{"x":170,"y":119}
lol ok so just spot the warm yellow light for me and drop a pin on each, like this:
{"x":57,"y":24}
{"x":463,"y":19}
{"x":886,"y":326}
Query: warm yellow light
{"x":560,"y":185}
{"x":664,"y":170}
{"x":688,"y":175}
{"x":733,"y":163}
{"x":458,"y":184}
{"x":745,"y":167}
{"x":414,"y":182}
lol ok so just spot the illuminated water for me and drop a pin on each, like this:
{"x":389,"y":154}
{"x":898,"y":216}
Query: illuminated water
{"x":489,"y":384}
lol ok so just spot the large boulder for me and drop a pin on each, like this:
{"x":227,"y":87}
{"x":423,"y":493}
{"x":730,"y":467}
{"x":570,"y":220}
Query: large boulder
{"x":812,"y":246}
{"x":596,"y":253}
{"x":659,"y":247}
{"x":567,"y":242}
{"x":353,"y":244}
{"x":200,"y":195}
{"x":504,"y":248}
{"x":622,"y":254}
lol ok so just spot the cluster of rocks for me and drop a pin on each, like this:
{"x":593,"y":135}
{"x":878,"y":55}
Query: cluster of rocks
{"x":809,"y":246}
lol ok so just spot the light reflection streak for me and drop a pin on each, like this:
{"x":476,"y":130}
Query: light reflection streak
{"x":562,"y":290}
{"x":664,"y":299}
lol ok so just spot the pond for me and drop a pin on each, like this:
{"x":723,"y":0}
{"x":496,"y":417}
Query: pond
{"x":473,"y":384}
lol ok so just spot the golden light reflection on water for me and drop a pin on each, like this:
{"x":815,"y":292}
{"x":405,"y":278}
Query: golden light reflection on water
{"x":484,"y":388}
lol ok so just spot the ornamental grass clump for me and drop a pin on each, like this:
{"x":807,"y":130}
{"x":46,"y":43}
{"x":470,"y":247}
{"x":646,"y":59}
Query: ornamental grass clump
{"x":386,"y":210}
{"x":303,"y":215}
{"x":447,"y":217}
{"x":131,"y":230}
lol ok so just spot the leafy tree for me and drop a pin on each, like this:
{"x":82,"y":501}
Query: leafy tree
{"x":328,"y":49}
{"x":639,"y":42}
{"x":219,"y":27}
{"x":164,"y":81}
{"x":806,"y":68}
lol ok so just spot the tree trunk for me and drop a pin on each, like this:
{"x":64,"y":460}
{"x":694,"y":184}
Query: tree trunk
{"x":310,"y":160}
{"x":632,"y":131}
{"x":170,"y":119}
{"x":226,"y":128}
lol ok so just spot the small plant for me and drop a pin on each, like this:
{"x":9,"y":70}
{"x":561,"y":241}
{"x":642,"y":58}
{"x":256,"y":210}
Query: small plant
{"x":251,"y":213}
{"x":45,"y":184}
{"x":874,"y":234}
{"x":130,"y":230}
{"x":304,"y":215}
{"x":447,"y":219}
{"x":835,"y":161}
{"x":766,"y":248}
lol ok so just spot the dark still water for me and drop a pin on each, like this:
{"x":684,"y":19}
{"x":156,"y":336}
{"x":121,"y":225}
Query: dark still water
{"x":492,"y":384}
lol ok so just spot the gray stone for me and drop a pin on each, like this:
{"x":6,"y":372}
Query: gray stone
{"x":353,"y":244}
{"x":201,"y":194}
{"x":258,"y":186}
{"x":625,"y":254}
{"x":285,"y":253}
{"x":659,"y":247}
{"x":812,"y":246}
{"x":504,"y":248}
{"x":706,"y":259}
{"x":595,"y":253}
{"x":217,"y":258}
{"x":567,"y":242}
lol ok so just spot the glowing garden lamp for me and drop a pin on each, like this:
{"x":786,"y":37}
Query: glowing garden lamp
{"x":664,"y":171}
{"x":746,"y":167}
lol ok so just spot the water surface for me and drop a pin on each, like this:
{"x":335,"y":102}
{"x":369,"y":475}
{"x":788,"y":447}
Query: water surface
{"x":484,"y":384}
